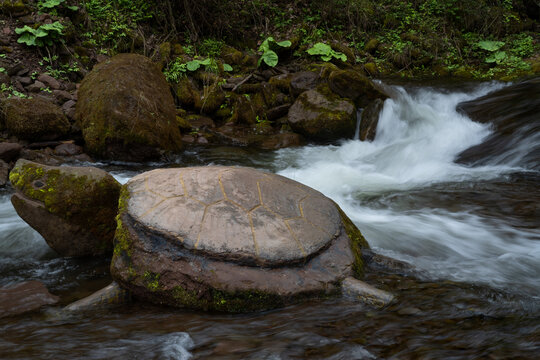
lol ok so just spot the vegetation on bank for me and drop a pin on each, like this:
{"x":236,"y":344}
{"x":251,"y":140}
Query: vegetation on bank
{"x":472,"y":39}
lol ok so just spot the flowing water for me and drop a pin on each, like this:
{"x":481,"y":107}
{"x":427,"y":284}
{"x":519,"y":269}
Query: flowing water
{"x":471,"y":234}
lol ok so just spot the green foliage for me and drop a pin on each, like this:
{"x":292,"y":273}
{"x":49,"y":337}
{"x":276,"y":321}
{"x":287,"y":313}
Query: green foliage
{"x":269,"y":56}
{"x":10,"y":90}
{"x":178,"y":68}
{"x":211,"y":47}
{"x":44,"y":35}
{"x":56,"y":70}
{"x":49,"y":4}
{"x":326,"y":52}
{"x":490,"y":45}
{"x":113,"y":22}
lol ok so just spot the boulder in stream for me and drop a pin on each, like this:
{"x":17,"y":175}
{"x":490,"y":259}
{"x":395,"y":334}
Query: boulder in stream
{"x":73,"y":208}
{"x":126,"y":110}
{"x":322,"y":116}
{"x":234,"y":239}
{"x":355,"y":86}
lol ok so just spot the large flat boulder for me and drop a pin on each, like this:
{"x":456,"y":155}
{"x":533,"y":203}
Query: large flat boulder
{"x":126,"y":110}
{"x":73,"y":208}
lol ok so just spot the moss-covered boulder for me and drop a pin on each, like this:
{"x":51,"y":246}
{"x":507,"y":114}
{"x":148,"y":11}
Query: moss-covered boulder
{"x":320,"y":115}
{"x":231,"y":239}
{"x":15,"y":8}
{"x":355,"y":86}
{"x":126,"y":111}
{"x":73,"y":208}
{"x":34,"y":119}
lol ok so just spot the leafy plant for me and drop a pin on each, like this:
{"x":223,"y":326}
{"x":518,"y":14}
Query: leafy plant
{"x":44,"y":35}
{"x":496,"y":56}
{"x":49,"y":4}
{"x":269,"y":56}
{"x":326,"y":52}
{"x":177,"y":68}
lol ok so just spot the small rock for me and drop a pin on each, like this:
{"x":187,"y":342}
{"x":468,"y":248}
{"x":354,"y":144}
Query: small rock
{"x":188,"y":139}
{"x":9,"y":151}
{"x":69,"y":108}
{"x":25,"y":80}
{"x":15,"y":69}
{"x":23,"y":72}
{"x":366,"y":293}
{"x":18,"y":86}
{"x":409,"y":311}
{"x":62,"y":95}
{"x":35,"y":87}
{"x":4,"y":172}
{"x":5,"y":79}
{"x":24,"y":297}
{"x":49,"y":81}
{"x":109,"y":295}
{"x":202,"y":140}
{"x":7,"y":31}
{"x":68,"y":149}
{"x":4,"y":40}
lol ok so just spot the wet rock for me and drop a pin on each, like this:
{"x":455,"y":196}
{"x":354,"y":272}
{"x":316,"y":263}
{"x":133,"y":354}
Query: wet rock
{"x":409,"y":311}
{"x":280,"y":141}
{"x":24,"y":297}
{"x":68,"y":149}
{"x":34,"y":119}
{"x":109,"y":295}
{"x":513,"y":112}
{"x":360,"y":290}
{"x":4,"y":172}
{"x":9,"y":151}
{"x":126,"y":111}
{"x":370,"y":119}
{"x":353,"y":85}
{"x":303,"y":81}
{"x":322,"y":116}
{"x":73,"y":208}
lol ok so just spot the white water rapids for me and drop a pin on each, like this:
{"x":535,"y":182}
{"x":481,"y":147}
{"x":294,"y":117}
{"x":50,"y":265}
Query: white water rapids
{"x":419,"y":134}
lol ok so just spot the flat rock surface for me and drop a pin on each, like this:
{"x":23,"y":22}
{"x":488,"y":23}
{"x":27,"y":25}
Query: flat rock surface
{"x":234,"y":213}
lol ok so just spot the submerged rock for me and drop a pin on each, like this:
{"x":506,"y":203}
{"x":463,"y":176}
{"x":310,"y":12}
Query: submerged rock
{"x":126,"y":111}
{"x":24,"y":297}
{"x":232,"y":239}
{"x":322,"y":116}
{"x":110,"y":295}
{"x":34,"y":119}
{"x":73,"y":208}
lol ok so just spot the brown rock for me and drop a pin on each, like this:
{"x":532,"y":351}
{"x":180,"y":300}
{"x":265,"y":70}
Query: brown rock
{"x":4,"y":172}
{"x":49,"y":81}
{"x":9,"y":151}
{"x":24,"y":297}
{"x":34,"y":119}
{"x":322,"y":116}
{"x":229,"y":239}
{"x":303,"y":81}
{"x":68,"y":149}
{"x":73,"y":208}
{"x":353,"y":85}
{"x":370,"y":119}
{"x":35,"y":87}
{"x":62,"y":95}
{"x":126,"y":111}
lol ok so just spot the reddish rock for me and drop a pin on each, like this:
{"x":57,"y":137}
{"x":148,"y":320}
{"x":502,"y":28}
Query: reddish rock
{"x":24,"y":297}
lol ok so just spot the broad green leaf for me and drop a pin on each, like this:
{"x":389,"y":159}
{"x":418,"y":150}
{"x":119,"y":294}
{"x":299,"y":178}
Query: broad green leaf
{"x":320,"y":49}
{"x":193,"y":65}
{"x":27,"y":38}
{"x":270,"y":58}
{"x":285,"y":43}
{"x":227,"y":67}
{"x":490,"y":45}
{"x":26,"y":28}
{"x":496,"y":57}
{"x":265,"y":46}
{"x":73,"y":8}
{"x":326,"y":57}
{"x":205,"y":62}
{"x":41,"y":33}
{"x":49,"y":4}
{"x":340,"y":55}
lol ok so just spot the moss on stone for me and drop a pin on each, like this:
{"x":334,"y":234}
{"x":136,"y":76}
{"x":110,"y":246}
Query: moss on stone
{"x":358,"y":242}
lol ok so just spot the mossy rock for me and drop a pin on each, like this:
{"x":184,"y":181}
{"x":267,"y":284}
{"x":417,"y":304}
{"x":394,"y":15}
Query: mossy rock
{"x":126,"y":111}
{"x":211,"y":99}
{"x":15,"y":8}
{"x":34,"y":119}
{"x":322,"y":116}
{"x":73,"y":208}
{"x":187,"y":94}
{"x":231,"y":239}
{"x":354,"y":85}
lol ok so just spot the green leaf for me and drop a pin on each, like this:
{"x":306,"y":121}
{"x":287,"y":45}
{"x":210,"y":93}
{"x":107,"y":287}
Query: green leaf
{"x":193,"y":65}
{"x":26,"y":29}
{"x":205,"y":62}
{"x":326,"y":58}
{"x":320,"y":49}
{"x":497,"y":57}
{"x":270,"y":58}
{"x":490,"y":45}
{"x":227,"y":67}
{"x":28,"y":39}
{"x":340,"y":55}
{"x":73,"y":8}
{"x":285,"y":43}
{"x":265,"y":46}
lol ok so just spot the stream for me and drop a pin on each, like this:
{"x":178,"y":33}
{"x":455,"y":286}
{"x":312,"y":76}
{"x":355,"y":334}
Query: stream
{"x":470,"y":233}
